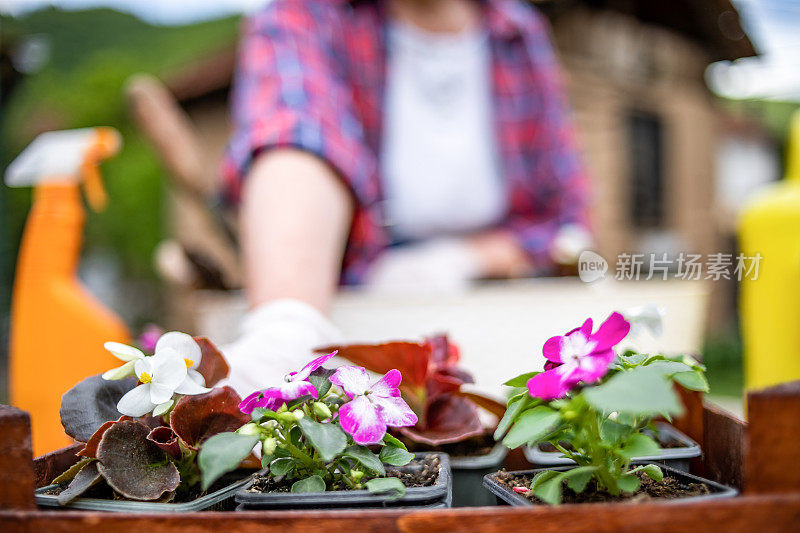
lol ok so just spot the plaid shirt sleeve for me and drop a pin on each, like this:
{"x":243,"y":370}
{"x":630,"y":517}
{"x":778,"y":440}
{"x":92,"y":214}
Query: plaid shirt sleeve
{"x":556,"y":178}
{"x":288,"y":92}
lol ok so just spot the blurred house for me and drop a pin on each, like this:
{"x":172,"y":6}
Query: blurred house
{"x":653,"y":135}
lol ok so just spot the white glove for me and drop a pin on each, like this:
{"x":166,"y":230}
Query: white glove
{"x":569,"y":242}
{"x":445,"y":265}
{"x":276,"y":338}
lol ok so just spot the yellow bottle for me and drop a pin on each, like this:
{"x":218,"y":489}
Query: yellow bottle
{"x":770,"y":305}
{"x":57,"y":327}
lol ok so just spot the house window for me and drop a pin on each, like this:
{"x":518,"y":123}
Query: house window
{"x":646,"y":160}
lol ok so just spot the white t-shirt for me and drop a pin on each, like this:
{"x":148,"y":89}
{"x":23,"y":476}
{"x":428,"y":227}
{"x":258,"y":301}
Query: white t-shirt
{"x":440,"y":167}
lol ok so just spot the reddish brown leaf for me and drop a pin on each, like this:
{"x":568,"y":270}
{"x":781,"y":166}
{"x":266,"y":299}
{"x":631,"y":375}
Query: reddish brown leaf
{"x":213,"y":365}
{"x":498,"y":409}
{"x":410,"y":358}
{"x":196,"y":418}
{"x":90,"y":450}
{"x":431,"y":385}
{"x":450,"y":419}
{"x":132,"y":465}
{"x":167,"y":440}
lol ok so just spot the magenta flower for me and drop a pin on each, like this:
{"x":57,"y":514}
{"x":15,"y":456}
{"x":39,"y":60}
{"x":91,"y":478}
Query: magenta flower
{"x":371,"y":409}
{"x":149,"y":337}
{"x":579,"y":356}
{"x":294,"y":386}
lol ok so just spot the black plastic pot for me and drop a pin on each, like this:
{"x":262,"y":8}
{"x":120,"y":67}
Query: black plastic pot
{"x":468,"y":473}
{"x":437,"y":495}
{"x":505,"y":496}
{"x":219,"y":500}
{"x":678,"y":458}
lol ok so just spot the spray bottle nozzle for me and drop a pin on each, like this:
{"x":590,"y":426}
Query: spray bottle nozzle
{"x":68,"y":156}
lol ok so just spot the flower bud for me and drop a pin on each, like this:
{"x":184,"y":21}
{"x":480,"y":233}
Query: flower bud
{"x":268,"y":446}
{"x":298,"y":414}
{"x":321,"y":410}
{"x":287,"y":417}
{"x":356,"y":475}
{"x":282,"y":409}
{"x":249,"y":429}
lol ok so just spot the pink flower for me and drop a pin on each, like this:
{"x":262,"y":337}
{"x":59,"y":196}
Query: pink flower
{"x":294,"y":386}
{"x":371,"y":409}
{"x":579,"y":356}
{"x":149,"y":337}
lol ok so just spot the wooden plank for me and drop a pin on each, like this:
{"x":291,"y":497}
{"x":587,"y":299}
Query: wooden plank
{"x":691,"y":421}
{"x":778,"y":513}
{"x":772,"y":446}
{"x":736,"y":515}
{"x":16,"y":459}
{"x":50,"y":465}
{"x":378,"y":521}
{"x":723,"y":450}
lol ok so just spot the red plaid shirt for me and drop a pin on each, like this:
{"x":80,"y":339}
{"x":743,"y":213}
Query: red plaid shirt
{"x":311,"y":75}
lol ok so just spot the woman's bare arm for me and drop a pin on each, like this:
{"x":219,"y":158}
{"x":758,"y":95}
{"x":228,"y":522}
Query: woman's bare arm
{"x":295,"y":218}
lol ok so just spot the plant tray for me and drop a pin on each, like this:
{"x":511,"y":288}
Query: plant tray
{"x":438,"y":493}
{"x":506,"y":496}
{"x":219,"y":500}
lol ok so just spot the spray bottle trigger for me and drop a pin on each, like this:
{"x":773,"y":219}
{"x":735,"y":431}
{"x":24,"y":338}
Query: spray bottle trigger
{"x":106,"y":142}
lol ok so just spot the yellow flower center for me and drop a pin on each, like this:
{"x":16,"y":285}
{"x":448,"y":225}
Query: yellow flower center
{"x":188,"y":362}
{"x":145,"y":377}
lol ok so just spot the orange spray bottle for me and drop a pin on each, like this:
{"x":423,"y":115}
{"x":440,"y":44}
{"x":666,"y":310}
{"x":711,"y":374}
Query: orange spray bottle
{"x":57,"y":327}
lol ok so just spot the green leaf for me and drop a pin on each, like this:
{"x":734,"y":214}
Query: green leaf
{"x":550,"y":490}
{"x":266,"y":460}
{"x":541,"y":477}
{"x":222,"y":453}
{"x":294,"y":404}
{"x":328,"y":439}
{"x":653,"y":472}
{"x":281,"y":466}
{"x":260,"y":413}
{"x":532,"y":425}
{"x":320,"y":378}
{"x":310,"y":484}
{"x":364,"y":456}
{"x":392,"y":441}
{"x":577,"y":478}
{"x":521,"y":380}
{"x":513,"y":410}
{"x":639,"y":445}
{"x":641,"y":391}
{"x":668,"y":367}
{"x":333,"y":401}
{"x":384,"y":485}
{"x":628,"y":483}
{"x":612,"y":431}
{"x":72,"y":471}
{"x":296,"y":436}
{"x":395,"y":456}
{"x":693,"y":380}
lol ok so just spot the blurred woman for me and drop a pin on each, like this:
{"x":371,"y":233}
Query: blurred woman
{"x":394,"y":144}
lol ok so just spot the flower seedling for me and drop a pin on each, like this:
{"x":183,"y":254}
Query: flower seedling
{"x":432,"y":387}
{"x":150,"y":452}
{"x":315,"y":429}
{"x":596,"y":407}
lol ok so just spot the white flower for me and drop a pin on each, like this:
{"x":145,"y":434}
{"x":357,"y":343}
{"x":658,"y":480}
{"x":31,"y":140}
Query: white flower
{"x":161,"y":376}
{"x":188,"y":349}
{"x":184,"y":345}
{"x":126,"y":353}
